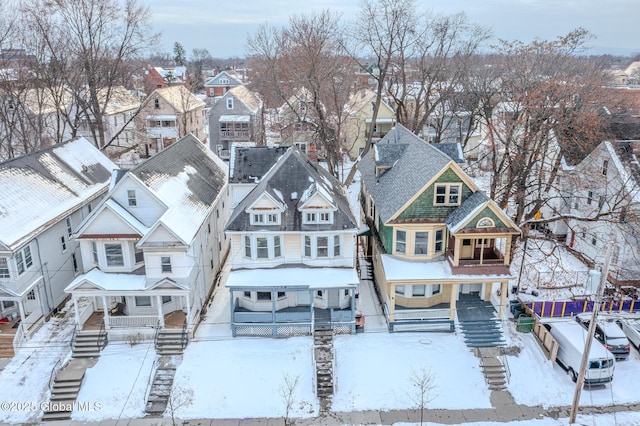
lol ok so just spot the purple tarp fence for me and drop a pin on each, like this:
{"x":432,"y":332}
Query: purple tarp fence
{"x":568,"y":308}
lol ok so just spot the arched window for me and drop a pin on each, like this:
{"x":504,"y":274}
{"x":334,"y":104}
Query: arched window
{"x":485,"y":222}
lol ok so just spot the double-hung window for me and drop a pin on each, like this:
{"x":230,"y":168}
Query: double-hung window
{"x":447,"y":194}
{"x":94,"y":252}
{"x":263,"y":248}
{"x":4,"y":268}
{"x":401,"y":241}
{"x":165,"y":262}
{"x":69,"y":228}
{"x":421,"y":243}
{"x":113,"y":253}
{"x":322,"y":246}
{"x":131,"y":198}
{"x":63,"y":243}
{"x":439,"y":243}
{"x":24,"y":260}
{"x":267,"y":247}
{"x":336,"y":245}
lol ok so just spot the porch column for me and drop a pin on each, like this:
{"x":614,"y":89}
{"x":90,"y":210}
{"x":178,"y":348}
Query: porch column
{"x":22,"y":317}
{"x":105,"y":308}
{"x":353,"y":303}
{"x":503,"y":298}
{"x":273,"y":305}
{"x":507,"y":250}
{"x":392,"y":302}
{"x":231,"y":305}
{"x":311,"y":302}
{"x":452,"y":301}
{"x":160,"y":315}
{"x":481,"y":250}
{"x":75,"y":308}
{"x":456,"y":252}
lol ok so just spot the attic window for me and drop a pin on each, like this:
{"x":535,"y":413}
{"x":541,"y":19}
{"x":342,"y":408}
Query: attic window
{"x":485,"y":222}
{"x":310,"y":217}
{"x":156,"y":103}
{"x":229,"y":103}
{"x":224,"y":80}
{"x":605,"y":166}
{"x":131,"y":197}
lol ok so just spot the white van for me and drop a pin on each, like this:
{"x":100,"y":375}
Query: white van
{"x":571,"y":338}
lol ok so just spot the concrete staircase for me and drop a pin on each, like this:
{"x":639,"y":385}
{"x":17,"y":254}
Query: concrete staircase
{"x":64,"y":391}
{"x":494,"y":370}
{"x":89,"y":343}
{"x":323,"y":356}
{"x":160,"y":391}
{"x":482,"y":333}
{"x":170,"y":341}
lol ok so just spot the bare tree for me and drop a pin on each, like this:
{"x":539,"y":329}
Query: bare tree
{"x":88,"y":46}
{"x":180,"y":398}
{"x":200,"y":58}
{"x":287,"y":392}
{"x":422,"y":383}
{"x":305,"y":55}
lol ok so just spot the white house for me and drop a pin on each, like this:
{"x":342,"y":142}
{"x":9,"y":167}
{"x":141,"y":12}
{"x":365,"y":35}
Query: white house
{"x":151,"y":250}
{"x":293,"y":249}
{"x":45,"y":196}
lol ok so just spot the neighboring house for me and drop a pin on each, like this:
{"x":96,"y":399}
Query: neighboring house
{"x":31,"y":119}
{"x":359,"y":121}
{"x":159,"y":77}
{"x":435,"y":237}
{"x":606,"y":183}
{"x":45,"y":196}
{"x":220,"y":84}
{"x":118,"y":119}
{"x":153,"y":247}
{"x":293,"y":249}
{"x":167,"y":115}
{"x":236,"y":117}
{"x":297,"y":123}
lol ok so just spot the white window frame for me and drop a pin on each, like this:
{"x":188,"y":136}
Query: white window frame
{"x":165,"y":264}
{"x":4,"y":268}
{"x":310,"y":217}
{"x":94,"y":252}
{"x":139,"y":299}
{"x":63,"y":244}
{"x":447,"y":194}
{"x":415,"y":238}
{"x":264,"y":218}
{"x":69,"y":227}
{"x":309,"y":245}
{"x":396,"y":240}
{"x":252,"y":247}
{"x":229,"y":103}
{"x":24,"y":260}
{"x":436,"y":241}
{"x":132,"y":200}
{"x":107,"y":255}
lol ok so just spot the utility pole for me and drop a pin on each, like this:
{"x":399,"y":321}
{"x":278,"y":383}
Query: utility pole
{"x":590,"y":333}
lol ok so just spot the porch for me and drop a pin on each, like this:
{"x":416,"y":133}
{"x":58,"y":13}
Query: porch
{"x":172,"y":320}
{"x":484,"y":261}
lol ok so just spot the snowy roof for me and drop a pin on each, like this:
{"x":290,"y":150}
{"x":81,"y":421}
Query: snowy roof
{"x":179,"y":97}
{"x":188,"y":178}
{"x":218,"y":80}
{"x":396,"y":269}
{"x":291,"y":175}
{"x":247,"y":97}
{"x":40,"y":188}
{"x":234,"y":119}
{"x":395,"y":187}
{"x":120,"y":100}
{"x":311,"y":278}
{"x":469,"y":207}
{"x":111,"y":282}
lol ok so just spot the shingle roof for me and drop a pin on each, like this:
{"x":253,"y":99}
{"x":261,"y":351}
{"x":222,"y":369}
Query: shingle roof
{"x":288,"y":180}
{"x":452,"y":149}
{"x":467,"y":207}
{"x":40,"y":188}
{"x":251,"y":163}
{"x":247,"y":97}
{"x":188,"y":177}
{"x":180,"y":98}
{"x":418,"y":163}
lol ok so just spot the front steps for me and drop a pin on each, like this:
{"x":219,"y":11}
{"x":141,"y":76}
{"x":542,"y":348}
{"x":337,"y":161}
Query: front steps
{"x":160,"y":391}
{"x":89,"y":343}
{"x":494,"y":370}
{"x":323,"y":355}
{"x":170,"y":341}
{"x":482,"y":333}
{"x":64,"y":391}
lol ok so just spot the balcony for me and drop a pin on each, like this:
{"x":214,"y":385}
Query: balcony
{"x":235,"y":135}
{"x":487,"y":261}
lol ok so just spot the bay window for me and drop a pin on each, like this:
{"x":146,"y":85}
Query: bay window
{"x":439,"y":243}
{"x":401,"y":241}
{"x":114,"y":254}
{"x":263,"y":247}
{"x":421,"y":243}
{"x":322,"y":246}
{"x":4,"y":268}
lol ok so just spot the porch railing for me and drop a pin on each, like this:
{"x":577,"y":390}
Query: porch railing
{"x":133,"y":321}
{"x":422,"y":314}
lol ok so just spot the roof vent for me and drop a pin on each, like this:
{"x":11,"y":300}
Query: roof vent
{"x":85,"y":169}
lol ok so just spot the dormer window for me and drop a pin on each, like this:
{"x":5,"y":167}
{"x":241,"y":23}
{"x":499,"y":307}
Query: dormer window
{"x":265,"y":218}
{"x":317,"y":217}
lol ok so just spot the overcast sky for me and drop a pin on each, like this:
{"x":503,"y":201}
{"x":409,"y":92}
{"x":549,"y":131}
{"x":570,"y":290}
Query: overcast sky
{"x":222,"y":27}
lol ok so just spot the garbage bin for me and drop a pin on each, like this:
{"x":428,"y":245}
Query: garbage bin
{"x":525,"y":323}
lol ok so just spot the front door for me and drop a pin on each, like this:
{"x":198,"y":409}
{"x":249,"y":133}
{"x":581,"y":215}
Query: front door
{"x":334,"y":298}
{"x":466,"y":252}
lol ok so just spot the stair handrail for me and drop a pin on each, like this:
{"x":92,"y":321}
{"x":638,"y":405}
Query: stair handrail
{"x":103,"y":338}
{"x":54,"y":373}
{"x":74,"y":335}
{"x":184,"y":337}
{"x":505,"y":362}
{"x":152,"y":376}
{"x":155,"y":337}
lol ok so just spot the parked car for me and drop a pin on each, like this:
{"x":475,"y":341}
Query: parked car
{"x":571,"y":339}
{"x":610,"y":335}
{"x":631,"y":328}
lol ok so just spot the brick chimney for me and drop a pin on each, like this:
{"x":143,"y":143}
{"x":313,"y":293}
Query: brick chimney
{"x":312,"y":154}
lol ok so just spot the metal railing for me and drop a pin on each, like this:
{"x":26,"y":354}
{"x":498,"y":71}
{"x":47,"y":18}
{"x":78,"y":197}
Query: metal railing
{"x":184,"y":338}
{"x":76,"y":329}
{"x":54,"y":373}
{"x":155,"y":336}
{"x":103,"y":337}
{"x":505,"y":363}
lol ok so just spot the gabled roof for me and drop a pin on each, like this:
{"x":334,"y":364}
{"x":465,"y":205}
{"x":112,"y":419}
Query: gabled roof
{"x":215,"y":80}
{"x":453,"y":150}
{"x":467,"y":208}
{"x":414,"y":163}
{"x":362,"y":99}
{"x":41,"y":188}
{"x":188,"y":178}
{"x":127,"y":218}
{"x":179,"y":97}
{"x":291,"y":177}
{"x":247,"y":97}
{"x":249,"y":164}
{"x":120,"y":100}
